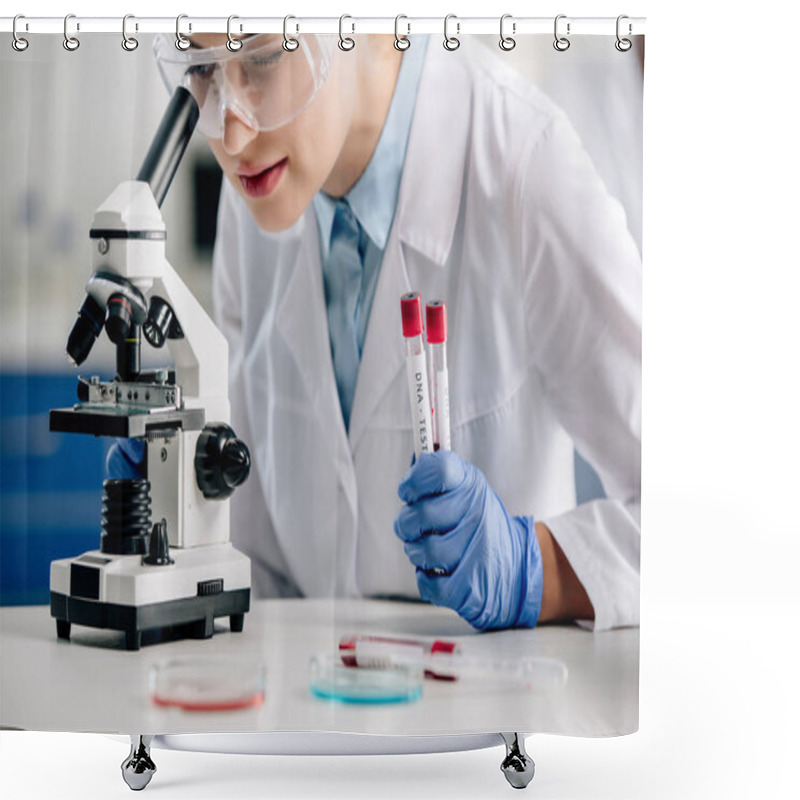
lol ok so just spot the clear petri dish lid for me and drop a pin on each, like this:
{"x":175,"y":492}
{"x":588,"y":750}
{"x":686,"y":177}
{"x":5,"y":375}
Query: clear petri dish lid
{"x":207,"y":684}
{"x":330,"y":679}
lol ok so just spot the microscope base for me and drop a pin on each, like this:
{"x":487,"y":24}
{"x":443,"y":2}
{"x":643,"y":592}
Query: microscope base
{"x":178,"y":600}
{"x":191,"y":617}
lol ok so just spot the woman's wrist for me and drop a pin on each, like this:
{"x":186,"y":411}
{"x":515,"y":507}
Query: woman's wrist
{"x":563,"y":597}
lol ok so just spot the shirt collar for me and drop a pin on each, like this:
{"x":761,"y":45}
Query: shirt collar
{"x":373,"y":199}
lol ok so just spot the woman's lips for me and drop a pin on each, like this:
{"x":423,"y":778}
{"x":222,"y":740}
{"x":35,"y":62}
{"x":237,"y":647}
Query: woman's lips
{"x":263,"y":183}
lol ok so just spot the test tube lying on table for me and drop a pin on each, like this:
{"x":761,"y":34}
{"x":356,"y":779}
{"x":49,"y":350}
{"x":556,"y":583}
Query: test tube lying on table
{"x":445,"y":661}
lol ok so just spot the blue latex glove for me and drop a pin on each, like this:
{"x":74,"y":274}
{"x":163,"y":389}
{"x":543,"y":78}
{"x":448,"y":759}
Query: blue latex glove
{"x":125,"y":459}
{"x":454,"y":522}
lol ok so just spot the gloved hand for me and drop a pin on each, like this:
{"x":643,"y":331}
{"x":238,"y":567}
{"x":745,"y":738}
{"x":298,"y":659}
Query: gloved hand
{"x":125,"y":459}
{"x":454,"y":522}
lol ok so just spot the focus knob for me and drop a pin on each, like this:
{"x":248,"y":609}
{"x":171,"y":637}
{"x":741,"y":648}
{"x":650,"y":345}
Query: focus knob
{"x":221,"y":461}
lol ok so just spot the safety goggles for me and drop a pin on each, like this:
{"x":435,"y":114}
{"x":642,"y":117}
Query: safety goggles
{"x":261,"y":83}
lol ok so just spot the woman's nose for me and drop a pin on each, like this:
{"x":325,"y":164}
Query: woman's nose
{"x":236,"y":134}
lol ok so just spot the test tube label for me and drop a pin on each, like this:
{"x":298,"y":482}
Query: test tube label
{"x":442,"y":390}
{"x":420,"y":402}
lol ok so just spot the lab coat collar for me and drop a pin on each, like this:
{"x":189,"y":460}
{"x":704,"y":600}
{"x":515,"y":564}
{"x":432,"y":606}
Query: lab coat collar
{"x":431,"y":188}
{"x":427,"y":213}
{"x":373,"y":198}
{"x":383,"y":355}
{"x":425,"y":222}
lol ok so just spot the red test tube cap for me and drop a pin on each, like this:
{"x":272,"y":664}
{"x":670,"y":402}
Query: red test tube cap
{"x":436,"y":321}
{"x":411,"y":310}
{"x":347,"y":651}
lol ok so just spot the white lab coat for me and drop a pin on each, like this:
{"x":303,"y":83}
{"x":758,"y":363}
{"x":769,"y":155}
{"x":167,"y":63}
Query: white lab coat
{"x":501,"y":214}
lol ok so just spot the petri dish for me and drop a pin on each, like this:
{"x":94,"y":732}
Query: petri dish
{"x":207,"y":684}
{"x":330,"y":679}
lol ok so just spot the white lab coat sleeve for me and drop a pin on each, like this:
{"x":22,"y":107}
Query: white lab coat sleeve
{"x":582,"y":289}
{"x":251,"y":523}
{"x":229,"y":310}
{"x":226,"y":280}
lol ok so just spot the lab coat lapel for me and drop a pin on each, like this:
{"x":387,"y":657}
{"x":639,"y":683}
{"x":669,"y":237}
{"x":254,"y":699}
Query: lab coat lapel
{"x":427,"y":214}
{"x":383,"y":355}
{"x":303,"y":322}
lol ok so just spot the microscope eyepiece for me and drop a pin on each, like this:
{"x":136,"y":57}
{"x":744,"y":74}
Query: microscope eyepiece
{"x":85,"y":331}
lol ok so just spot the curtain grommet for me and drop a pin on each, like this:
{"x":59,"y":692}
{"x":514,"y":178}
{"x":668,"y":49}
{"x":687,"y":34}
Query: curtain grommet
{"x":233,"y":44}
{"x":346,"y":43}
{"x":129,"y":43}
{"x":561,"y":43}
{"x":71,"y":43}
{"x":507,"y":43}
{"x":623,"y":45}
{"x":290,"y":43}
{"x":181,"y":42}
{"x":451,"y":43}
{"x":401,"y":43}
{"x":18,"y":43}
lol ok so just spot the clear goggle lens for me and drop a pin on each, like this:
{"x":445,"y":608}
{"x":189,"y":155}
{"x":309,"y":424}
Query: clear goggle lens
{"x":262,"y":84}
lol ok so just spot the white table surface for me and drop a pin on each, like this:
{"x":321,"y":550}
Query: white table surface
{"x":91,"y":683}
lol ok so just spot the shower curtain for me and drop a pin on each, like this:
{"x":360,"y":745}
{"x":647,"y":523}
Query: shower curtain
{"x":497,"y":591}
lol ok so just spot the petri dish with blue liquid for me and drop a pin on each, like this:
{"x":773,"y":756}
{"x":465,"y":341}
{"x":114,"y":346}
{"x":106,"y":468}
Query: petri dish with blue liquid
{"x":331,"y":679}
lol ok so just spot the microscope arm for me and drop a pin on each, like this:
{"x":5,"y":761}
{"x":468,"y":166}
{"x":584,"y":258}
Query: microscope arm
{"x":129,"y":238}
{"x":201,"y":355}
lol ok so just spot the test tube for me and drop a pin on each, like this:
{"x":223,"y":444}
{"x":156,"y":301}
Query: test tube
{"x":384,"y":652}
{"x":445,"y":661}
{"x":436,"y":331}
{"x":417,"y":372}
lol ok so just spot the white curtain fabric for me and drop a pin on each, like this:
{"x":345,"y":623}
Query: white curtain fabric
{"x":73,"y":126}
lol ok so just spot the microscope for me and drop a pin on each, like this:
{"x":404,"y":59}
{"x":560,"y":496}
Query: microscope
{"x":165,"y":559}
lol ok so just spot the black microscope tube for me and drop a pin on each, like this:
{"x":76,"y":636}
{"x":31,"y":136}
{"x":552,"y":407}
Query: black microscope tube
{"x":167,"y":148}
{"x":129,"y":356}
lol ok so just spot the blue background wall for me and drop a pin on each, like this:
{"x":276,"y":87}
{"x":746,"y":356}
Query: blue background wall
{"x":50,"y":485}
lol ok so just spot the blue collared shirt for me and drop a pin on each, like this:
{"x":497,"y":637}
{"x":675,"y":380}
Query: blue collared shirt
{"x":373,"y":199}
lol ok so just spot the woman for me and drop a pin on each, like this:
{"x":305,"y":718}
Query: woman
{"x":351,"y":178}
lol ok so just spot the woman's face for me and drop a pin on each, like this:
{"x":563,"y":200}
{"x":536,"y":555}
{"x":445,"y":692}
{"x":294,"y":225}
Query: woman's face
{"x":278,"y":172}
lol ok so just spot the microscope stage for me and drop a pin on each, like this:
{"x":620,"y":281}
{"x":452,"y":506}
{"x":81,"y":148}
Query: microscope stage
{"x":123,"y":422}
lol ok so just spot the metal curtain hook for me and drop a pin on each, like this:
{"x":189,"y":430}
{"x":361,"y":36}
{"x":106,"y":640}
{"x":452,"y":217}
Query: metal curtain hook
{"x":128,"y":42}
{"x":18,"y":43}
{"x":623,"y":45}
{"x":234,"y":45}
{"x":345,"y":42}
{"x":181,"y":42}
{"x":507,"y":42}
{"x":290,"y":43}
{"x":561,"y":43}
{"x":451,"y":42}
{"x":70,"y":42}
{"x":401,"y":42}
